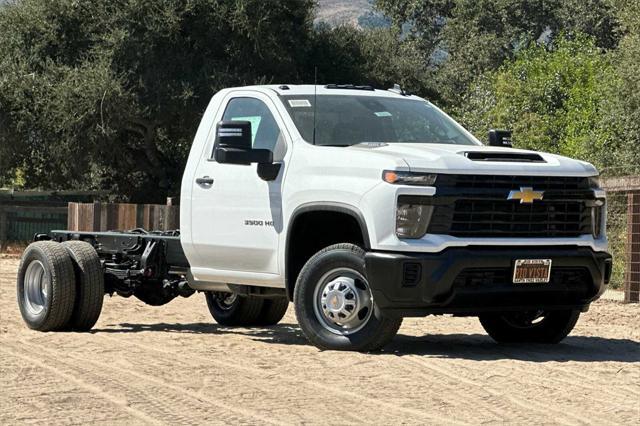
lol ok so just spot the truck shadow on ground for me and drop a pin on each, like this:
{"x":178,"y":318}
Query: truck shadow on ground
{"x":475,"y":347}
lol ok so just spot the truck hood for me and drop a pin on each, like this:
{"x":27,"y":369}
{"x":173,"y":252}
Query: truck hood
{"x":453,"y":159}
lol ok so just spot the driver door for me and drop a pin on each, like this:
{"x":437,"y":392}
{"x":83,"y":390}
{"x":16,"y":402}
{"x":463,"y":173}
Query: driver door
{"x":237,"y":216}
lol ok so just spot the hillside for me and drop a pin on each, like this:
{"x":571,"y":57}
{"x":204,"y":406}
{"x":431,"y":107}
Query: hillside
{"x":336,"y":12}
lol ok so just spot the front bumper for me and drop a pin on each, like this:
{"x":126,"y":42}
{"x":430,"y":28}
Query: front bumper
{"x":471,"y":280}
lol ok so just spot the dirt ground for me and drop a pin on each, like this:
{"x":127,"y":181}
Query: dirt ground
{"x":173,"y":364}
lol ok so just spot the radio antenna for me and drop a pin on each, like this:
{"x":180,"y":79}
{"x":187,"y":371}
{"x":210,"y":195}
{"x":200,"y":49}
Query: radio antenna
{"x":315,"y":101}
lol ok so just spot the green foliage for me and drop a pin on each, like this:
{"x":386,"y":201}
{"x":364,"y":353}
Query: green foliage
{"x":550,"y":96}
{"x":622,"y":107}
{"x":109,"y":94}
{"x":376,"y":57}
{"x":461,"y":39}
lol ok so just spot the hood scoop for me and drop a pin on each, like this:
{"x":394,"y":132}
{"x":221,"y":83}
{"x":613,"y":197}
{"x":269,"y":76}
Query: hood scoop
{"x":504,"y":156}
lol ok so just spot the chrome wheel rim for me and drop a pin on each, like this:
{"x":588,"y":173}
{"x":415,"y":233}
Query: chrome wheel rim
{"x":225,"y":301}
{"x":343,"y":303}
{"x":36,"y":287}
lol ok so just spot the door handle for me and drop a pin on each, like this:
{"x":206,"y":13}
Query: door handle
{"x":204,"y":181}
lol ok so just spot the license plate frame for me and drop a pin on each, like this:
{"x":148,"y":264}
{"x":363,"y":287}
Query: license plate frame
{"x":532,"y":271}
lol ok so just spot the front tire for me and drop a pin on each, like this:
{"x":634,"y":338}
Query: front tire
{"x":46,"y":286}
{"x":233,"y":310}
{"x":530,"y":326}
{"x":334,"y":305}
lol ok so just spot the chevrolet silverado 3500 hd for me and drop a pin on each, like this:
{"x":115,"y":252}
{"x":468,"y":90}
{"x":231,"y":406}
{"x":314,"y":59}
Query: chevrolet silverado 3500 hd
{"x":360,"y":206}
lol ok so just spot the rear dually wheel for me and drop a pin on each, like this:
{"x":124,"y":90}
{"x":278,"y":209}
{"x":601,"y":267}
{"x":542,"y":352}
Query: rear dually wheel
{"x":46,"y":286}
{"x":89,"y":285}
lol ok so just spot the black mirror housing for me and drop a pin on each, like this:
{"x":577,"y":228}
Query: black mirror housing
{"x":500,"y":138}
{"x":243,"y":156}
{"x":233,"y":145}
{"x":233,"y":134}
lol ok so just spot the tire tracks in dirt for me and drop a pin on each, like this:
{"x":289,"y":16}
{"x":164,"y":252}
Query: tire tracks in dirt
{"x":416,"y":415}
{"x":562,"y":416}
{"x":559,"y":375}
{"x":483,"y":399}
{"x":95,"y":390}
{"x":574,"y":373}
{"x":154,"y":395}
{"x":144,"y":364}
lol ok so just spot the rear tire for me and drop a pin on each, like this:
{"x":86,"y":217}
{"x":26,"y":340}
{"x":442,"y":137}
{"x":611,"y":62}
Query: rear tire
{"x":89,"y":285}
{"x":233,"y":310}
{"x":334,"y":305}
{"x":273,"y":311}
{"x":46,"y":286}
{"x":530,"y":327}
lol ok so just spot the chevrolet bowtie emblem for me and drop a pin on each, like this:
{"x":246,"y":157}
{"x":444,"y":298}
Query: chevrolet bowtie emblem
{"x":526,"y":195}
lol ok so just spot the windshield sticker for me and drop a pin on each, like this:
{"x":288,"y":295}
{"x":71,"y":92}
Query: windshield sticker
{"x":297,"y":103}
{"x":383,"y":114}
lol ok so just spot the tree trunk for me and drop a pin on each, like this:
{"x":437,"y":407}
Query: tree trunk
{"x":147,"y":131}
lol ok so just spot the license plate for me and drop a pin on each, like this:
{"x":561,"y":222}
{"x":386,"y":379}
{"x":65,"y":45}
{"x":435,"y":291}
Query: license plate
{"x":528,"y":271}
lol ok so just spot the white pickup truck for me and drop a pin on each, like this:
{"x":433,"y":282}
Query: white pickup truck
{"x":361,"y":207}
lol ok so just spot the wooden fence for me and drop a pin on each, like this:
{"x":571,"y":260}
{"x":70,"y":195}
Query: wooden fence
{"x":21,"y":219}
{"x":123,"y":216}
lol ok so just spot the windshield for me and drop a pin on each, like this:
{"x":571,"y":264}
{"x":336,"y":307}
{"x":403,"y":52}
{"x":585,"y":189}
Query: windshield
{"x":348,"y":120}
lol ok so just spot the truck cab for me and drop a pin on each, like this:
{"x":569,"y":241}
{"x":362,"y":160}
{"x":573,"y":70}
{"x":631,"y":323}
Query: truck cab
{"x":283,"y":182}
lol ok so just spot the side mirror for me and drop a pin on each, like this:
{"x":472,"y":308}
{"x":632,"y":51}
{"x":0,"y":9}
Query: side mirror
{"x":500,"y":138}
{"x":233,"y":145}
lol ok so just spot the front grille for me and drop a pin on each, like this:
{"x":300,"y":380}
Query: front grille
{"x":477,"y":206}
{"x":509,"y":218}
{"x":544,"y":183}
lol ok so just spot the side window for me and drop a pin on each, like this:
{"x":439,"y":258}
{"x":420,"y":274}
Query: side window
{"x":265,"y":132}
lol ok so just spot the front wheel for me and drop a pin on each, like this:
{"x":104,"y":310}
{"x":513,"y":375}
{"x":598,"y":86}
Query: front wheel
{"x":530,"y":326}
{"x":334,"y":304}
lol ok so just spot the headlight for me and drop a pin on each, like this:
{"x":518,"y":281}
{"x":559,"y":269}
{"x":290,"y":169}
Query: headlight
{"x":409,"y":178}
{"x":594,"y":182}
{"x":412,"y":217}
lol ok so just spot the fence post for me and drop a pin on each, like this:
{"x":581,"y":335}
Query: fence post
{"x":97,"y":214}
{"x":72,"y":208}
{"x":170,"y":215}
{"x":632,"y":273}
{"x":3,"y":227}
